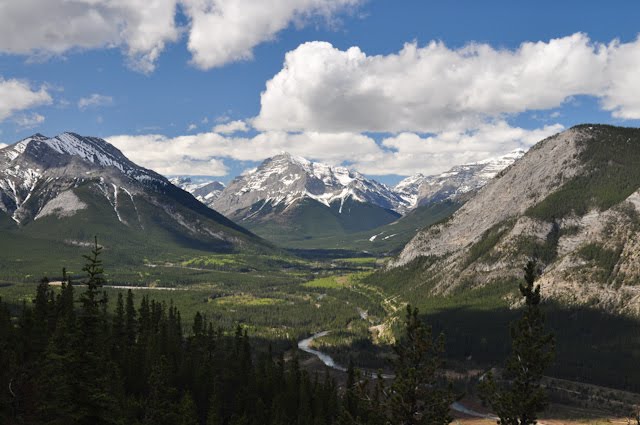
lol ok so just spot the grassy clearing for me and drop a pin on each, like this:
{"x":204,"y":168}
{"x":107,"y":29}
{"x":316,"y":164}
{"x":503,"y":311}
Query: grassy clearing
{"x":331,"y":282}
{"x":246,"y":300}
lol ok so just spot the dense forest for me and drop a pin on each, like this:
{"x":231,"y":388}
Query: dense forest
{"x":67,"y":359}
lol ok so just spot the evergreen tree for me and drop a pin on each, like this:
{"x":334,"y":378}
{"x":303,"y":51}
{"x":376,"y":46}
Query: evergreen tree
{"x":520,"y":397}
{"x":96,"y":386}
{"x":161,"y":408}
{"x":416,"y":395}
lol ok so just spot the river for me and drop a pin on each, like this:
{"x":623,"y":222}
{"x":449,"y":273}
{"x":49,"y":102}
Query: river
{"x":305,"y":345}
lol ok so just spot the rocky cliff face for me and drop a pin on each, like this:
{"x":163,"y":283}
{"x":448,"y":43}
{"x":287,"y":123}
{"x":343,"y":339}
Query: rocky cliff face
{"x":572,"y":201}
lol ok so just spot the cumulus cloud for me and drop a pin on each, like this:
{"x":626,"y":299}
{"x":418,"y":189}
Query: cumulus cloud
{"x":333,"y":148}
{"x":17,"y":95}
{"x":27,"y":121}
{"x":95,"y":100}
{"x":432,"y":89}
{"x":46,"y":27}
{"x":231,"y":127}
{"x":224,"y":31}
{"x":409,"y":153}
{"x":404,"y":154}
{"x":622,"y":94}
{"x":219,"y":31}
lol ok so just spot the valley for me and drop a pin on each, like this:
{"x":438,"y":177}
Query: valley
{"x":335,"y":273}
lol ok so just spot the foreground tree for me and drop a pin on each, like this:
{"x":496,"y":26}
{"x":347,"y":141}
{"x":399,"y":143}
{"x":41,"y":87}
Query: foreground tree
{"x":520,"y":396}
{"x":418,"y":394}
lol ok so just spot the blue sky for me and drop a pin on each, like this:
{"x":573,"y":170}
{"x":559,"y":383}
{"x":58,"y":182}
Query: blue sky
{"x":157,"y":84}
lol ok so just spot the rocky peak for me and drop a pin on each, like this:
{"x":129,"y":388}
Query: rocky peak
{"x":285,"y":179}
{"x":459,"y":180}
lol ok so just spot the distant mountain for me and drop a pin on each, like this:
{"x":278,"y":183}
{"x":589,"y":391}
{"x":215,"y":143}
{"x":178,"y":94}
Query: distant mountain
{"x":572,"y":201}
{"x":69,"y":187}
{"x":204,"y":191}
{"x":454,"y":184}
{"x":290,"y":198}
{"x":298,"y":203}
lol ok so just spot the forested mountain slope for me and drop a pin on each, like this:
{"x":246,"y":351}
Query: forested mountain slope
{"x":573,"y":201}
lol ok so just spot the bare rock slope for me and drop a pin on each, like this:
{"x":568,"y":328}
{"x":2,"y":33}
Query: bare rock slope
{"x":573,"y":201}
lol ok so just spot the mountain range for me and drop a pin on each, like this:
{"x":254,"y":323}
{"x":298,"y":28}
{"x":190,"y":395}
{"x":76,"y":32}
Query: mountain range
{"x":302,"y":204}
{"x":572,"y":200}
{"x":62,"y":190}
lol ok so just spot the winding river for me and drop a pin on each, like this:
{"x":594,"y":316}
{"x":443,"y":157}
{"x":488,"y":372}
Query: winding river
{"x":305,"y":345}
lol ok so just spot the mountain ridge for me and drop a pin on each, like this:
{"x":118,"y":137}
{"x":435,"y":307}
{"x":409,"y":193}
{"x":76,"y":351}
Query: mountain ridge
{"x":573,"y":201}
{"x":51,"y":185}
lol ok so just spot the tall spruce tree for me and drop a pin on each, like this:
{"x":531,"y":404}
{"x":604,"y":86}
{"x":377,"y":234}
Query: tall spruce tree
{"x":418,"y":394}
{"x":520,"y":397}
{"x":95,"y":383}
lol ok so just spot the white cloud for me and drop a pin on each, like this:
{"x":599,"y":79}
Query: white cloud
{"x":333,"y":148}
{"x":404,"y":154}
{"x":17,"y":95}
{"x":191,"y":127}
{"x":46,"y":27}
{"x":434,"y":88}
{"x":219,"y":31}
{"x":27,"y":121}
{"x":193,"y":167}
{"x":95,"y":100}
{"x":622,"y":95}
{"x":231,"y":127}
{"x":224,"y":31}
{"x":409,"y":153}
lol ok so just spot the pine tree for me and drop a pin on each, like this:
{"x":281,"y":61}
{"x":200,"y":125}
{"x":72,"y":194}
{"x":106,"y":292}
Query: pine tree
{"x":416,"y":395}
{"x":520,"y":398}
{"x":57,"y":404}
{"x":161,"y":408}
{"x":93,"y":371}
{"x":187,"y":411}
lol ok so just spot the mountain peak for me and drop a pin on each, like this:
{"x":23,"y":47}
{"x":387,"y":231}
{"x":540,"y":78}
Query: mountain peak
{"x":455,"y":182}
{"x":285,"y":179}
{"x":287,"y":156}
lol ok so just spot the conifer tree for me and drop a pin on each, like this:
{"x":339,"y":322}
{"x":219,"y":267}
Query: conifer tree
{"x":96,"y":386}
{"x":520,"y":397}
{"x":417,"y":395}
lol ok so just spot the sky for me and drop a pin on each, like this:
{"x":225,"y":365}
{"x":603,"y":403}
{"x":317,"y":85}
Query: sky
{"x":387,"y":87}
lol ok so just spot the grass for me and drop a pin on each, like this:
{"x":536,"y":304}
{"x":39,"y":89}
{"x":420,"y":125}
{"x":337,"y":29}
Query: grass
{"x":246,"y":300}
{"x":331,"y":282}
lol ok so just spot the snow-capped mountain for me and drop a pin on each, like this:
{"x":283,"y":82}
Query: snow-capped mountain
{"x":284,"y":180}
{"x":292,"y":201}
{"x":90,"y":182}
{"x":204,"y":191}
{"x":419,"y":189}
